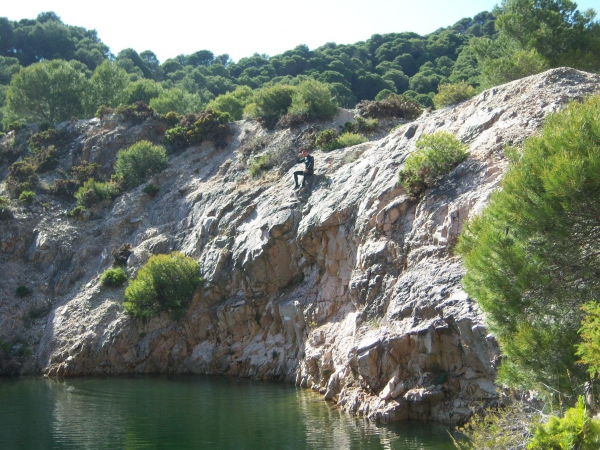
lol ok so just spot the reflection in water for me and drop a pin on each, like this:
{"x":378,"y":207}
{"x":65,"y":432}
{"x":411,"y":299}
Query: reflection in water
{"x":188,"y":413}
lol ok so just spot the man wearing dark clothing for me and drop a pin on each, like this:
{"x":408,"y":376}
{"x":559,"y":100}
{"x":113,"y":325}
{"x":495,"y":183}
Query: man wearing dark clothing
{"x":309,"y":164}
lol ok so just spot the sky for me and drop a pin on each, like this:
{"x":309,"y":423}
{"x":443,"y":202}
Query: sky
{"x":244,"y":27}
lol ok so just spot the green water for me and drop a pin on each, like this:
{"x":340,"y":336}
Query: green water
{"x":188,"y":413}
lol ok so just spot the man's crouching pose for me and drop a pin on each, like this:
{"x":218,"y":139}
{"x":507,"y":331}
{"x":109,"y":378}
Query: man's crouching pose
{"x":309,"y":164}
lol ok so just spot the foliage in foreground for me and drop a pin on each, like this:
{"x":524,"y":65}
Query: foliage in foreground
{"x":139,"y":162}
{"x":507,"y":427}
{"x":575,"y":430}
{"x":532,"y":256}
{"x":589,"y":347}
{"x":436,"y":155}
{"x":164,"y":283}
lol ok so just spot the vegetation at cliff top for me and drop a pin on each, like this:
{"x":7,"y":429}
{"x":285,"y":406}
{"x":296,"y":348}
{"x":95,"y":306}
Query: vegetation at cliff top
{"x":164,"y":283}
{"x":73,"y":72}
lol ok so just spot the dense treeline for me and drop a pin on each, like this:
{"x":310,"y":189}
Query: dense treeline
{"x":519,"y":38}
{"x":396,"y":62}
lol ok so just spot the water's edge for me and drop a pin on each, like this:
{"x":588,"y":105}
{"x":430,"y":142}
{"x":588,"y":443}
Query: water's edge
{"x":185,"y":412}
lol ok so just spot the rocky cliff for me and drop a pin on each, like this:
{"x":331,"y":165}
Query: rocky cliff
{"x":349,"y":287}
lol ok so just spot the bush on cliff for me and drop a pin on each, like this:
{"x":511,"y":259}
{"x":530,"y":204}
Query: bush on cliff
{"x":164,"y":283}
{"x":93,"y":192}
{"x":329,"y":140}
{"x":194,"y":129}
{"x":139,"y":162}
{"x":532,"y":256}
{"x":272,"y":103}
{"x":449,"y":94}
{"x":113,"y":277}
{"x":392,"y":106}
{"x":234,"y":102}
{"x":436,"y":155}
{"x":5,"y":211}
{"x":313,"y":100}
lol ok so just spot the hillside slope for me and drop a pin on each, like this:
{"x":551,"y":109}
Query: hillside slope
{"x":350,"y":288}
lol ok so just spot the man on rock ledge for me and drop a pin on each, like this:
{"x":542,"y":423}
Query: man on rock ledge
{"x":309,"y":163}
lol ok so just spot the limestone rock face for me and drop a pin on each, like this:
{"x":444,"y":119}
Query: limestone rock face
{"x":349,"y":287}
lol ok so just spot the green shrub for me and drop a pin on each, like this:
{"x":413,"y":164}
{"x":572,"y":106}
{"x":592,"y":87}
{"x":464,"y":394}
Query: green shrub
{"x":103,"y":111}
{"x":93,"y":192}
{"x":314,"y":100}
{"x":46,"y":158}
{"x":272,"y":103}
{"x":250,"y":111}
{"x":383,"y":94}
{"x":392,"y":106}
{"x":172,"y":118}
{"x":210,"y":125}
{"x":21,"y":177}
{"x":576,"y":430}
{"x":140,"y":161}
{"x":178,"y":100}
{"x":44,"y":126}
{"x":507,"y":427}
{"x":436,"y":155}
{"x":47,"y":138}
{"x":136,"y":113}
{"x":449,"y":94}
{"x":176,"y":137}
{"x":15,"y":126}
{"x":85,"y":171}
{"x":36,"y":312}
{"x":425,"y":100}
{"x":27,"y":197}
{"x":350,"y":139}
{"x":326,"y":140}
{"x":77,"y":213}
{"x":259,"y":164}
{"x":165,"y":283}
{"x":151,"y":189}
{"x":366,"y":125}
{"x":234,"y":102}
{"x":329,"y":140}
{"x":113,"y":277}
{"x":192,"y":129}
{"x":23,"y":291}
{"x":5,"y":212}
{"x":589,"y":348}
{"x":65,"y":188}
{"x":532,"y":255}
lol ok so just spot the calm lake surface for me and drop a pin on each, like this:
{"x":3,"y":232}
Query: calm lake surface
{"x":188,"y":412}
